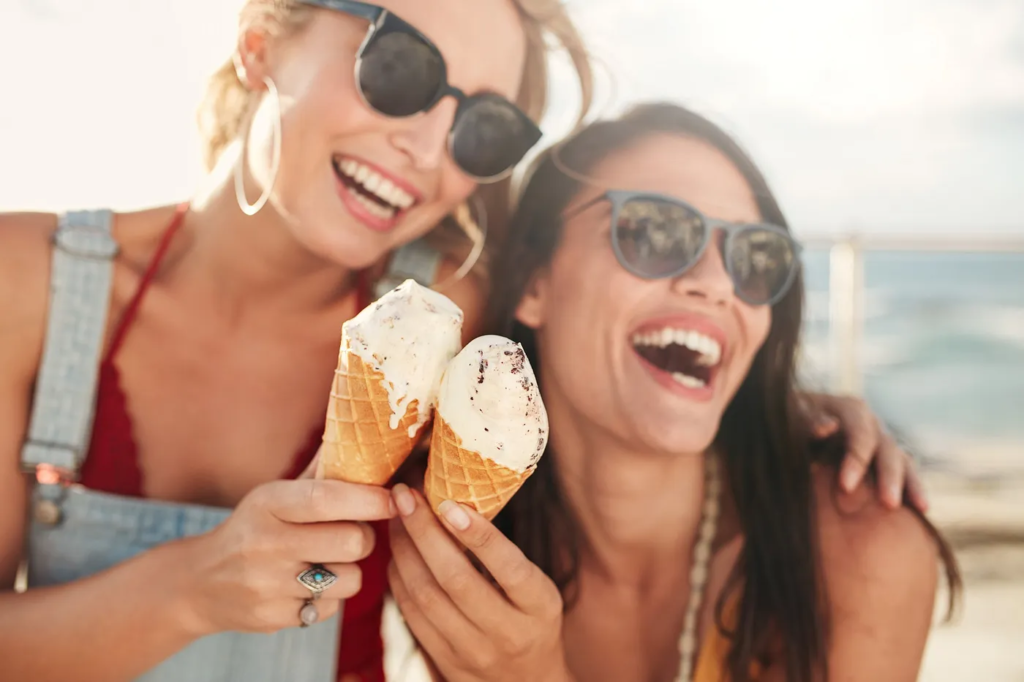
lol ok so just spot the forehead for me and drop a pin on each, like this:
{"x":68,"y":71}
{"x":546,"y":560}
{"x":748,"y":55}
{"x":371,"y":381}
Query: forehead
{"x":685,"y":168}
{"x":482,"y":41}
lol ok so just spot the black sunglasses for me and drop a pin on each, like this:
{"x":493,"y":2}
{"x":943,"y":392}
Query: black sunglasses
{"x":400,"y":72}
{"x":658,"y":237}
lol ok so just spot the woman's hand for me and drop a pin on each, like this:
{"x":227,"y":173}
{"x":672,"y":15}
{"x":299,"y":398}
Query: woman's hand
{"x":867,"y":440}
{"x":245,"y":571}
{"x":472,"y":629}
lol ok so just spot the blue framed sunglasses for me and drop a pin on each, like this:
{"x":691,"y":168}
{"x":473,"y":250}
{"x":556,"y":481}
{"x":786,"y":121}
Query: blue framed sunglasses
{"x":400,"y":73}
{"x":655,"y":236}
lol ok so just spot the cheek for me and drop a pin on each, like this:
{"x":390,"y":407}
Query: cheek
{"x":757,"y":322}
{"x":455,"y":187}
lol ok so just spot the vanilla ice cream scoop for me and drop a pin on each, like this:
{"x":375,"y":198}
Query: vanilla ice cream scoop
{"x":490,"y":399}
{"x":409,"y":335}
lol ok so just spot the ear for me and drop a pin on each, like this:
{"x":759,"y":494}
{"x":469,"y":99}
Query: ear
{"x":532,"y":308}
{"x":251,"y":57}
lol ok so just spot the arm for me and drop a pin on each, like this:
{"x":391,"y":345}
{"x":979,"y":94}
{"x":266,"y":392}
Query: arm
{"x":239,"y":577}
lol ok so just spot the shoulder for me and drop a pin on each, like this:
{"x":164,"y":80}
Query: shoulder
{"x":862,"y":540}
{"x":469,"y":293}
{"x":880,"y":570}
{"x":24,"y":277}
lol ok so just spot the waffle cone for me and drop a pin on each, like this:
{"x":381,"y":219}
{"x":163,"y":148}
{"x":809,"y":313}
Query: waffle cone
{"x":464,"y":476}
{"x":359,"y":445}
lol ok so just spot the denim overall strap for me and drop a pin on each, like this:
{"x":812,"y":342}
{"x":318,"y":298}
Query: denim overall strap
{"x":80,"y":279}
{"x":416,"y":261}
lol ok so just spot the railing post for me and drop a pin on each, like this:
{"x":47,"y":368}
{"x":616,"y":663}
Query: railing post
{"x":846,"y":315}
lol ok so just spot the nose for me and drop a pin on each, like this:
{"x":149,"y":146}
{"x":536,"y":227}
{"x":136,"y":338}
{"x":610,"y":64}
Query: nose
{"x":708,"y":279}
{"x":424,"y":138}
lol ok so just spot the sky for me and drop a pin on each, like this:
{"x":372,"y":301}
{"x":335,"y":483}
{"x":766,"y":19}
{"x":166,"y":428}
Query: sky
{"x":895,"y":116}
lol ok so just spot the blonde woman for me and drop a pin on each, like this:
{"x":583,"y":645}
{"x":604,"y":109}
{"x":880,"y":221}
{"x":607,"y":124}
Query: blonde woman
{"x":338,"y":133}
{"x":174,"y":363}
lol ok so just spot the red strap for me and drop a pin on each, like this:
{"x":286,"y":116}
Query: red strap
{"x":133,"y":306}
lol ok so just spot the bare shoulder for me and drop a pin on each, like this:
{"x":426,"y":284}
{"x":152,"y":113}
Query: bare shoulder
{"x":862,"y":540}
{"x":469,"y":293}
{"x":881,"y":571}
{"x":24,"y":276}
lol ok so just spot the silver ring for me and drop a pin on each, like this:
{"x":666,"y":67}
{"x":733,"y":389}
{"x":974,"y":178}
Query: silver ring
{"x":316,"y":579}
{"x":308,"y":613}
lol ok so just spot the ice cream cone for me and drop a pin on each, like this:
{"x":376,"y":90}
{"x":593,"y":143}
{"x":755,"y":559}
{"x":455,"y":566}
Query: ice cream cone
{"x":457,"y":473}
{"x":490,"y":427}
{"x":392,"y":357}
{"x":359,"y":444}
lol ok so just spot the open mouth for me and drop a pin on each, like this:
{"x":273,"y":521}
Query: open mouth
{"x":688,"y":356}
{"x":381,"y":197}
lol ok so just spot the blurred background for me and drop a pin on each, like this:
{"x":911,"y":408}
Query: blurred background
{"x":892,"y":130}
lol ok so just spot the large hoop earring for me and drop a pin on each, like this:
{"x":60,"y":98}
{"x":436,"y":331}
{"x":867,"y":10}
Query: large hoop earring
{"x":475,"y":228}
{"x":243,"y":203}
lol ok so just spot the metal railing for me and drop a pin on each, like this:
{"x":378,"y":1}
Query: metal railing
{"x":846,"y":287}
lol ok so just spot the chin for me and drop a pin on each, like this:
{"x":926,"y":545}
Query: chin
{"x":680,"y":439}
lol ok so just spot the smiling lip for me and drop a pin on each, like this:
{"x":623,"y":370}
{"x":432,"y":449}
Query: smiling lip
{"x":687,"y":322}
{"x":348,"y":195}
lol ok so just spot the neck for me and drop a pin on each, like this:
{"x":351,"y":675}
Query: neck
{"x":639,"y":511}
{"x":253,"y":265}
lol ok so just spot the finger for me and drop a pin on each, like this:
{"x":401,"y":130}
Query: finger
{"x":825,"y":425}
{"x":915,"y":488}
{"x":419,"y":625}
{"x":313,"y":501}
{"x":891,"y":465}
{"x":862,"y":436}
{"x":320,"y":543}
{"x":523,"y":582}
{"x":446,"y":560}
{"x":280,"y":614}
{"x":424,"y":590}
{"x":348,"y":583}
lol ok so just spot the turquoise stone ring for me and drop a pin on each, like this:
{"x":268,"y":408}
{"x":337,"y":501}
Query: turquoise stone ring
{"x":316,"y":579}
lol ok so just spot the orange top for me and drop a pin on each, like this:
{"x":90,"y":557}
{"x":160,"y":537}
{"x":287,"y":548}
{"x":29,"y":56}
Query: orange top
{"x":711,"y":665}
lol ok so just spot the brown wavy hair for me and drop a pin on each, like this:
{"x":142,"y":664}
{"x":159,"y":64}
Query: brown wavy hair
{"x":227,"y":106}
{"x":764,"y":437}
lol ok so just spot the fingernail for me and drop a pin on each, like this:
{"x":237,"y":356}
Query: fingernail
{"x":404,"y":499}
{"x":455,"y":515}
{"x":849,"y":480}
{"x":392,"y":509}
{"x":895,"y":496}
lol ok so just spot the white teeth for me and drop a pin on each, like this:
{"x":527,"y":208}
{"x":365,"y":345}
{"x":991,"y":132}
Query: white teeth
{"x":688,"y":381}
{"x":374,"y":208}
{"x":376,"y":184}
{"x":709,"y":349}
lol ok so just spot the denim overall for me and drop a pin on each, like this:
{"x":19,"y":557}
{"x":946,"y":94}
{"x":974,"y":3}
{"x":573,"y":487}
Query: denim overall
{"x":75,"y":532}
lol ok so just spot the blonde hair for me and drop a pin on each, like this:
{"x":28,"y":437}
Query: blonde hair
{"x":226,"y":106}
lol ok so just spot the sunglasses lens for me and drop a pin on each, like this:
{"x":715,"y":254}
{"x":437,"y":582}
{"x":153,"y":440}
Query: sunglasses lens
{"x":657,"y":238}
{"x":762,"y":263}
{"x":400,"y":74}
{"x":491,"y":136}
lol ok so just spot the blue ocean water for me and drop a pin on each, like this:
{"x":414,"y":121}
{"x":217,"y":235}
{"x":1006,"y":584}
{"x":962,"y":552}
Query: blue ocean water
{"x":943,"y":354}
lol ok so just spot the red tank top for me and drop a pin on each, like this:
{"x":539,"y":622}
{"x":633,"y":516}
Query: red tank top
{"x":112,"y":466}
